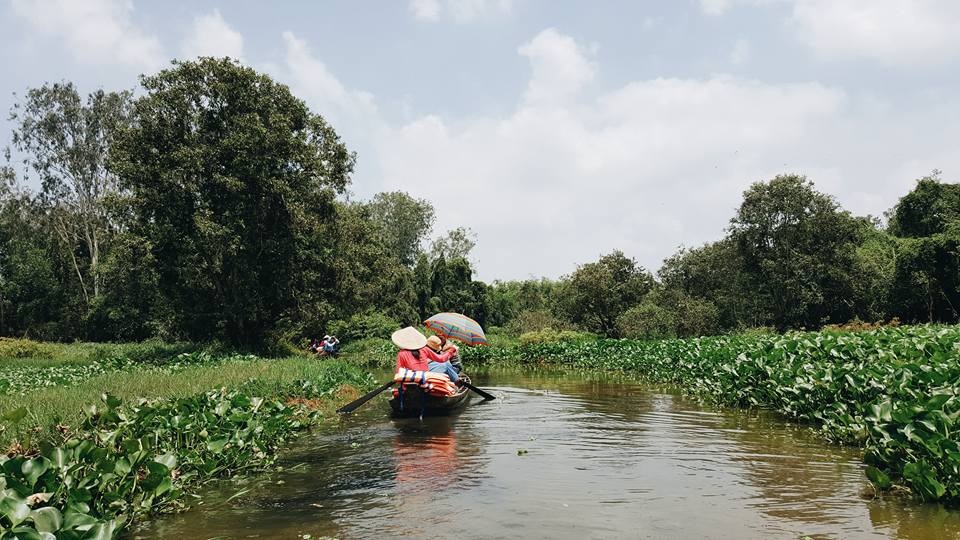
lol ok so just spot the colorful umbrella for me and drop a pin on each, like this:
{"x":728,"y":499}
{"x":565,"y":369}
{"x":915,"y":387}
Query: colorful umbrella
{"x":457,"y":326}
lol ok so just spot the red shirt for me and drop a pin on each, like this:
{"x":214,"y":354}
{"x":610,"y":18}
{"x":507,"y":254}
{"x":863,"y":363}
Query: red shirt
{"x":406,"y":359}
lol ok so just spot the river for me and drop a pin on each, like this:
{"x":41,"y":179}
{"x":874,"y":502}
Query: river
{"x":560,"y":456}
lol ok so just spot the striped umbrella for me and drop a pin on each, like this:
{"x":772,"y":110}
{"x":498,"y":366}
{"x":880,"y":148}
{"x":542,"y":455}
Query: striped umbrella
{"x":457,"y":326}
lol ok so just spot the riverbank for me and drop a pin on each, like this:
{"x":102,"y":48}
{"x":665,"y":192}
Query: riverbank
{"x":100,"y":439}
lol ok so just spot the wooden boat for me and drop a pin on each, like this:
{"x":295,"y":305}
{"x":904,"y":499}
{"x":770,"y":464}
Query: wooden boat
{"x":414,"y":402}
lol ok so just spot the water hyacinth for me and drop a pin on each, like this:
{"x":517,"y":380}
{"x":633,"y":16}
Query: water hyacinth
{"x":132,"y":458}
{"x":892,"y":391}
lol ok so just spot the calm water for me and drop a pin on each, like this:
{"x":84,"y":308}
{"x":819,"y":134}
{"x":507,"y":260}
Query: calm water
{"x":559,"y":457}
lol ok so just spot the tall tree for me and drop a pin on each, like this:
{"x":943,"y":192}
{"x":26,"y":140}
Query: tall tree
{"x":926,"y":282}
{"x":230,"y":175}
{"x":404,"y":223}
{"x":797,"y":246}
{"x":597,"y":293}
{"x":930,"y":208}
{"x":715,"y":273}
{"x":456,"y":244}
{"x":65,"y":141}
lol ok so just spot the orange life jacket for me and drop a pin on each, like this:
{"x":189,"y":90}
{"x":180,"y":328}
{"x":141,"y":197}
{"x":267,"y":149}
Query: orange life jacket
{"x":435,"y":384}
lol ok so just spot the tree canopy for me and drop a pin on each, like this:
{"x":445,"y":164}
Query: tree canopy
{"x":230,"y":176}
{"x":213,"y":207}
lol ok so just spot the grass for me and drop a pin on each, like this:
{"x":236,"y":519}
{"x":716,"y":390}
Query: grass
{"x":48,"y":407}
{"x":27,"y":353}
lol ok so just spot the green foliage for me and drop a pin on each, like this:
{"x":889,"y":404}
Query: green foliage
{"x":669,"y":313}
{"x":931,"y":208}
{"x":715,"y":273}
{"x":443,"y":284}
{"x":363,"y":325}
{"x":598,"y":293}
{"x":797,"y":250}
{"x":24,"y":348}
{"x":895,"y":391}
{"x":368,"y":274}
{"x":506,"y":300}
{"x":130,"y":459}
{"x":925,"y":281}
{"x":647,"y":321}
{"x":231,"y":178}
{"x":532,"y":320}
{"x":403,"y":222}
{"x":370,"y":352}
{"x":456,"y":244}
{"x":64,"y":141}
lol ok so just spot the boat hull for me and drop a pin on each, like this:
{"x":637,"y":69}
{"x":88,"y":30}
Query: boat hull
{"x":414,"y":402}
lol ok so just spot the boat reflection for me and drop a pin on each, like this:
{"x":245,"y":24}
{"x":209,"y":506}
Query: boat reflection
{"x":426,"y":455}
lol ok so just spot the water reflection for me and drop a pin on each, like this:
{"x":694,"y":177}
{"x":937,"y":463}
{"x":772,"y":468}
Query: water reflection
{"x":425,"y":456}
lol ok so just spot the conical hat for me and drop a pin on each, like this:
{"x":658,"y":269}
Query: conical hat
{"x":409,"y":338}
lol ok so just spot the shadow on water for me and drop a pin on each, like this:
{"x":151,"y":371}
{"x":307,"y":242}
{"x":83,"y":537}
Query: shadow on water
{"x":561,"y":456}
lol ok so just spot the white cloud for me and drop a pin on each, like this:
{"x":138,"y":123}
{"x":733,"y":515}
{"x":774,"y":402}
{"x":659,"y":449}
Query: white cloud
{"x":460,"y":11}
{"x":425,"y":10}
{"x":641,"y":168}
{"x":353,"y":113}
{"x":895,"y":32}
{"x":95,"y":31}
{"x":740,"y":53}
{"x":568,"y":175}
{"x":212,"y":36}
{"x":714,"y":7}
{"x":560,"y":68}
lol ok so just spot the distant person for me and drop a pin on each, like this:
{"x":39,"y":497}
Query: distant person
{"x":436,"y":345}
{"x":331,"y":345}
{"x":315,"y":345}
{"x":414,"y":353}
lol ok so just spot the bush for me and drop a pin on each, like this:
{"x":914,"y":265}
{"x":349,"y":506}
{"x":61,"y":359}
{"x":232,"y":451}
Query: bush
{"x":647,"y":321}
{"x":533,"y":320}
{"x":24,"y":348}
{"x":549,"y":335}
{"x":147,"y":352}
{"x":363,"y":325}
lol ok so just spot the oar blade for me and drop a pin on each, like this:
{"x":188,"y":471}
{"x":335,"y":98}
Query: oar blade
{"x":486,"y":396}
{"x":353,"y":405}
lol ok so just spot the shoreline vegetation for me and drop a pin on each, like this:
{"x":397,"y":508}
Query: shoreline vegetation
{"x":132,"y":429}
{"x":119,"y":437}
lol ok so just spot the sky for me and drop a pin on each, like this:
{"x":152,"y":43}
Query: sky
{"x":559,"y":131}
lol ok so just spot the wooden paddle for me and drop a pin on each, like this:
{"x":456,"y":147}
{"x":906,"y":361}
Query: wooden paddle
{"x":352,"y":406}
{"x":484,"y":395}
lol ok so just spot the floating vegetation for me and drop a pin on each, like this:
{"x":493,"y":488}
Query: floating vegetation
{"x":126,"y":459}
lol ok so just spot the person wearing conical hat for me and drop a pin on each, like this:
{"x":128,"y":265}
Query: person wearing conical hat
{"x":414,"y":353}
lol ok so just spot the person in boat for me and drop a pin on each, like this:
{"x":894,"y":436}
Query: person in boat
{"x":436,"y":345}
{"x":455,"y":359}
{"x":414,"y":353}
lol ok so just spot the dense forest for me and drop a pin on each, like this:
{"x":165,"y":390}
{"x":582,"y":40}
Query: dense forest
{"x":208,"y":205}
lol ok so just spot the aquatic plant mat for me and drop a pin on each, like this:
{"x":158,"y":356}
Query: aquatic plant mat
{"x":128,"y":455}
